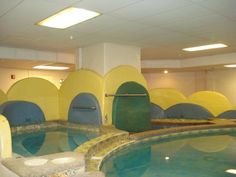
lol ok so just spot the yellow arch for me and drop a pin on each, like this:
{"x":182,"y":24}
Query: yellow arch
{"x":78,"y":82}
{"x":5,"y":138}
{"x":113,"y":79}
{"x":166,"y":97}
{"x":3,"y":97}
{"x":215,"y":102}
{"x":39,"y":91}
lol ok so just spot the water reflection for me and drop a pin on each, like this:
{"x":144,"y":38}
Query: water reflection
{"x":49,"y":141}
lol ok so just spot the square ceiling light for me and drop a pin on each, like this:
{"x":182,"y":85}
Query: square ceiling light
{"x":205,"y":47}
{"x":68,"y":17}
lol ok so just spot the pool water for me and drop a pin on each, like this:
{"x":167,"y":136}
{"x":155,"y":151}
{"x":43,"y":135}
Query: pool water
{"x":48,"y":141}
{"x":208,"y":155}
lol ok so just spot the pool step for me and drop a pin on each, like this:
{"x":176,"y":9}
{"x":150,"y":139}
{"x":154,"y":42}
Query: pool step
{"x":96,"y":149}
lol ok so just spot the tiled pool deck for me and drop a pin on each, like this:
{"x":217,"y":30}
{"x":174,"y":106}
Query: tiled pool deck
{"x":92,"y":154}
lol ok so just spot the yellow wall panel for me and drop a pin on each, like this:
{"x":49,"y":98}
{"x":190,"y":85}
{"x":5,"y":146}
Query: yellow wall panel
{"x":78,"y":82}
{"x":215,"y":102}
{"x":5,"y":138}
{"x":3,"y":97}
{"x":113,"y":79}
{"x":166,"y":97}
{"x":39,"y":91}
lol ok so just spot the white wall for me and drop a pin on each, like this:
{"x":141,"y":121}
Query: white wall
{"x":223,"y":81}
{"x":7,"y":82}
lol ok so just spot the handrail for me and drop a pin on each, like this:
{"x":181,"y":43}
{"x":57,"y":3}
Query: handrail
{"x":126,"y":95}
{"x":84,"y":107}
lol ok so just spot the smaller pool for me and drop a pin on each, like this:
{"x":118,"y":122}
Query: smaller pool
{"x":48,"y":141}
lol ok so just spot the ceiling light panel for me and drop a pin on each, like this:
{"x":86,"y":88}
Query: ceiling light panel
{"x":51,"y":67}
{"x":68,"y":17}
{"x":205,"y":47}
{"x":230,"y":66}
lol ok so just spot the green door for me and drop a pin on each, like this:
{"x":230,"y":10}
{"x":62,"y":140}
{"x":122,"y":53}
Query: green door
{"x":131,"y":108}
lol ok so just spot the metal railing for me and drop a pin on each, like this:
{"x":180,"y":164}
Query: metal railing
{"x":85,"y":107}
{"x":126,"y":95}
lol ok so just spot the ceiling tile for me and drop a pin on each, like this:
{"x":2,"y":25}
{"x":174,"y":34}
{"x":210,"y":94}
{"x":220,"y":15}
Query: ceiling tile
{"x":63,"y":2}
{"x":32,"y":11}
{"x":147,"y":8}
{"x":169,"y":38}
{"x":165,"y":26}
{"x":183,"y":14}
{"x":7,"y":5}
{"x":199,"y":25}
{"x":105,"y":6}
{"x":223,"y":7}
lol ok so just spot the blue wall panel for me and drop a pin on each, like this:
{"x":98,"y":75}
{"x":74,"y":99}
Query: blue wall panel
{"x":21,"y":113}
{"x":188,"y":111}
{"x":85,"y":109}
{"x":230,"y":114}
{"x":157,"y":112}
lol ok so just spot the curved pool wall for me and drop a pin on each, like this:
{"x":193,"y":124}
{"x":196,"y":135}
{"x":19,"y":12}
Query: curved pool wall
{"x":55,"y":103}
{"x":229,"y":114}
{"x":3,"y":97}
{"x":38,"y":91}
{"x":187,"y":111}
{"x":214,"y":102}
{"x":113,"y":80}
{"x":78,"y":82}
{"x":162,"y":137}
{"x":19,"y":113}
{"x":166,"y":97}
{"x":157,"y":112}
{"x":131,"y":108}
{"x":85,"y":109}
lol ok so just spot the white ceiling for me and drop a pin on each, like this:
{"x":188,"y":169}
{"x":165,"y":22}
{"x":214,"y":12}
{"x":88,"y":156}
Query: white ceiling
{"x":160,"y":27}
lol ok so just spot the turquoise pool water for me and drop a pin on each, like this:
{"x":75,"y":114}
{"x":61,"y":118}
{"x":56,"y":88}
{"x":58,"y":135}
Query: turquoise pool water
{"x":208,"y":155}
{"x":48,"y":141}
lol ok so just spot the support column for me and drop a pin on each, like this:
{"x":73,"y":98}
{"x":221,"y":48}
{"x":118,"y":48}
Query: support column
{"x":103,"y":57}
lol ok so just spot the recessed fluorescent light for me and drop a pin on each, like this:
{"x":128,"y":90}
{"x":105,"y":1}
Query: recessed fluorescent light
{"x":68,"y":17}
{"x":51,"y":67}
{"x":230,"y":66}
{"x":165,"y":71}
{"x":232,"y":171}
{"x":205,"y":47}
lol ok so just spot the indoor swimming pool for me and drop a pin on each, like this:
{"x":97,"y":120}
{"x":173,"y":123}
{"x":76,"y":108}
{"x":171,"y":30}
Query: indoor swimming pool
{"x":210,"y":154}
{"x":50,"y":140}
